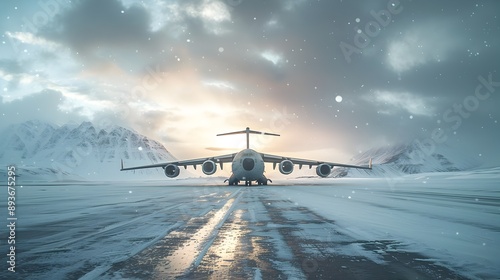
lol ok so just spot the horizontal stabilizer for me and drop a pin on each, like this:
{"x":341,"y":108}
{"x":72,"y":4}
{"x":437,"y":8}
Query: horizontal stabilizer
{"x":248,"y":131}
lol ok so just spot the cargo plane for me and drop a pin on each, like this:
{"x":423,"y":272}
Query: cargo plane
{"x":247,"y":165}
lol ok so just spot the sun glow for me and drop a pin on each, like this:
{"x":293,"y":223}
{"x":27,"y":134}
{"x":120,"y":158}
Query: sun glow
{"x":230,"y":143}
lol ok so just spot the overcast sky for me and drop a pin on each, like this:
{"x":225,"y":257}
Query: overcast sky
{"x":332,"y":77}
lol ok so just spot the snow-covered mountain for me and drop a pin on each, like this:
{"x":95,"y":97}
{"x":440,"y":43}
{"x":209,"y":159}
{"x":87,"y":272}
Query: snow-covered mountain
{"x":407,"y":159}
{"x":45,"y":152}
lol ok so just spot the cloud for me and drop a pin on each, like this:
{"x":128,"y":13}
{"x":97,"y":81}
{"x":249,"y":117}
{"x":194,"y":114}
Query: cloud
{"x":218,"y":149}
{"x":92,"y":25}
{"x":17,"y":81}
{"x":419,"y":46}
{"x":393,"y":102}
{"x":32,"y":39}
{"x":77,"y":96}
{"x":405,"y":54}
{"x":43,"y":105}
{"x":272,"y":56}
{"x":292,"y":4}
{"x":173,"y":67}
{"x":11,"y":66}
{"x":160,"y":12}
{"x":223,"y":85}
{"x":212,"y":13}
{"x":84,"y":105}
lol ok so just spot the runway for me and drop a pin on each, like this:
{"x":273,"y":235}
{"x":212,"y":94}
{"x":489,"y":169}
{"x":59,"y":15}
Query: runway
{"x":325,"y":230}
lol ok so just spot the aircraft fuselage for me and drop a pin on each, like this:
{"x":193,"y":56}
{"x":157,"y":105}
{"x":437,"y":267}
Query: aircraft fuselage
{"x":248,"y":166}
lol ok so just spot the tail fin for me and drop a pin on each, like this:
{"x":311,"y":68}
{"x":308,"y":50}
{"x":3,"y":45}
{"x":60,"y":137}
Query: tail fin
{"x":247,"y":131}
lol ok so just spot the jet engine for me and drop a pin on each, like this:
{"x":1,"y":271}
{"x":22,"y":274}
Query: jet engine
{"x":172,"y":170}
{"x":323,"y":170}
{"x":286,"y":167}
{"x":209,"y":167}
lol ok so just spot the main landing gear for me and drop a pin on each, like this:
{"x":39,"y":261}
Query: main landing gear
{"x":263,"y":181}
{"x":234,"y":182}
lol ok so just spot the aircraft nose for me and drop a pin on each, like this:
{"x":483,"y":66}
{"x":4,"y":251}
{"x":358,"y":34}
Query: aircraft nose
{"x":248,"y":164}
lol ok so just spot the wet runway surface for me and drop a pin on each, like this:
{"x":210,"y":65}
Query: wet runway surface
{"x":159,"y":232}
{"x":250,"y":236}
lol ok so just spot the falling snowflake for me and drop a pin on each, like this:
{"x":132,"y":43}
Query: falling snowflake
{"x":338,"y":98}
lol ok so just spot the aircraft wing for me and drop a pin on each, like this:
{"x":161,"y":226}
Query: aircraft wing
{"x":185,"y":163}
{"x":277,"y":159}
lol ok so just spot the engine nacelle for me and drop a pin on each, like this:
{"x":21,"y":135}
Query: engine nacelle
{"x":323,"y":170}
{"x":286,"y":167}
{"x":172,"y":171}
{"x":209,"y":167}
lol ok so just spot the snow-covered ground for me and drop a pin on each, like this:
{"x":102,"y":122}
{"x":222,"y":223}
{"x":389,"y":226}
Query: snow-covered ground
{"x":453,"y":217}
{"x":435,"y":225}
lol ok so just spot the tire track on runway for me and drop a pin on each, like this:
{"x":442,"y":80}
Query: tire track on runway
{"x":240,"y":251}
{"x":323,"y":250}
{"x":92,"y":254}
{"x":182,"y":250}
{"x":97,"y":271}
{"x":64,"y":245}
{"x":249,"y":246}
